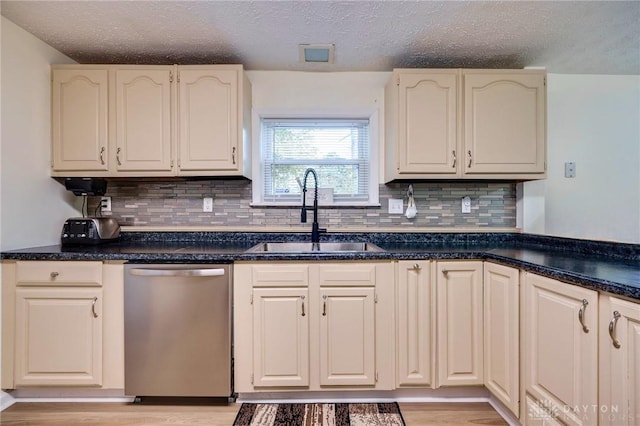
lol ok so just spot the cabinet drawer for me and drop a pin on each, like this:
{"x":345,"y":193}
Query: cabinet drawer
{"x":332,"y":275}
{"x":59,"y":273}
{"x":280,"y":275}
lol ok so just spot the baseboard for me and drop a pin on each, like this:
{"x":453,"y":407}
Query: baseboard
{"x":6,"y":401}
{"x":506,"y":414}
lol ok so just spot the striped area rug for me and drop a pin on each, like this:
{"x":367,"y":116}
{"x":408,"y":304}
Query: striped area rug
{"x":330,"y":414}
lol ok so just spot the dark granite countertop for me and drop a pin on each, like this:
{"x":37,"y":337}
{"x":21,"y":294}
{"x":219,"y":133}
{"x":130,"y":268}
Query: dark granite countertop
{"x":601,"y":266}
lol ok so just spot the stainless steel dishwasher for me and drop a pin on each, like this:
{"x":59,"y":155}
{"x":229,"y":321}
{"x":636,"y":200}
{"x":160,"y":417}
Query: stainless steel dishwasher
{"x":177,"y":330}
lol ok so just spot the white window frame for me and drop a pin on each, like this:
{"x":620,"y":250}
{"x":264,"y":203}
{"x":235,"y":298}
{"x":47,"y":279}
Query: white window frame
{"x":257,"y":159}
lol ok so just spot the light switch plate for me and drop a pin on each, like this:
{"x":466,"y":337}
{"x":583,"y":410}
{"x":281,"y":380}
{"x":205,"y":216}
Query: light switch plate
{"x":207,"y":204}
{"x":396,"y":206}
{"x":466,"y":204}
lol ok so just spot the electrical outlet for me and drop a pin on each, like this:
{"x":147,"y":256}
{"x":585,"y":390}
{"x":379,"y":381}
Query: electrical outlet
{"x":207,"y":204}
{"x":105,"y":204}
{"x":396,"y":206}
{"x":570,"y":169}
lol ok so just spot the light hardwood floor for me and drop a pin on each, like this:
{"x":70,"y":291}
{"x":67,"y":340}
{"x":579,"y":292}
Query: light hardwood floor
{"x":121,"y":414}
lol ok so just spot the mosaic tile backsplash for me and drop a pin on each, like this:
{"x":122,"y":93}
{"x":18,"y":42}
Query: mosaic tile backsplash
{"x":179,"y":203}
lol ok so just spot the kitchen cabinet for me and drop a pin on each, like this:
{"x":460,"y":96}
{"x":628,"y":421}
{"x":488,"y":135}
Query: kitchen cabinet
{"x":415,"y":312}
{"x":79,"y":126}
{"x":460,"y":323}
{"x":422,"y":123}
{"x":560,"y":351}
{"x":504,"y":122}
{"x":146,"y":121}
{"x":143,"y":117}
{"x":315,"y":326}
{"x":214,"y":108}
{"x":467,"y":124}
{"x":619,"y":377}
{"x":502,"y":334}
{"x":347,"y":324}
{"x":62,"y":324}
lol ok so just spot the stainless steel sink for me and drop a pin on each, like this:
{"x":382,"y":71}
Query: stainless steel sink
{"x":303,"y":247}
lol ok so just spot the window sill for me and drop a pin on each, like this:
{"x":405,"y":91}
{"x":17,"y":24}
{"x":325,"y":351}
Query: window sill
{"x":358,"y":205}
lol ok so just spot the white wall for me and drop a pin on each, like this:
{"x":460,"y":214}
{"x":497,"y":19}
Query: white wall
{"x":33,"y":206}
{"x":320,"y":92}
{"x":593,"y":120}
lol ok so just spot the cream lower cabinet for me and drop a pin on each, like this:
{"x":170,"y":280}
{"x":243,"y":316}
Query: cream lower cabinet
{"x":619,"y":378}
{"x":502,"y":334}
{"x":281,"y":336}
{"x":415,"y":314}
{"x":460,"y":323}
{"x":62,"y":324}
{"x":58,"y":336}
{"x":313,"y":326}
{"x":560,"y":352}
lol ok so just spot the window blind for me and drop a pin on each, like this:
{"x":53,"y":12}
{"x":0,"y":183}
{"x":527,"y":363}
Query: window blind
{"x":338,"y":149}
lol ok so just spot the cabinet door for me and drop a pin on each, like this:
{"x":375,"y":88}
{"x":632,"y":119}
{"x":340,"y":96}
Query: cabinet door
{"x":416,"y":318}
{"x":79,"y":119}
{"x":504,"y":123}
{"x":280,"y":337}
{"x":561,"y":349}
{"x":143,"y":120}
{"x":208,"y":120}
{"x":460,"y":323}
{"x":619,"y":378}
{"x":501,"y":334}
{"x":347,"y":336}
{"x":427,"y":123}
{"x":58,"y":336}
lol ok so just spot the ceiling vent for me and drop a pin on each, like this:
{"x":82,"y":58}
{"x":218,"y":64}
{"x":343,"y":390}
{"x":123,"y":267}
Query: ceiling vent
{"x":316,"y":53}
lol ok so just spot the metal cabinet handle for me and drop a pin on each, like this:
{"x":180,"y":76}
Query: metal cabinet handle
{"x":455,"y":159}
{"x":612,"y":329}
{"x":233,"y":155}
{"x":302,"y":297}
{"x":445,"y":273}
{"x":93,"y":307}
{"x":324,"y":306}
{"x":470,"y":158}
{"x":581,"y":315}
{"x":102,"y":155}
{"x":416,"y":267}
{"x":215,"y":272}
{"x":54,"y":275}
{"x":118,"y":156}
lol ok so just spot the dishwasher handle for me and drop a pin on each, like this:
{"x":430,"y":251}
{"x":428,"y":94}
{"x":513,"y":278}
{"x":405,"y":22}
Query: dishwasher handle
{"x":199,"y":272}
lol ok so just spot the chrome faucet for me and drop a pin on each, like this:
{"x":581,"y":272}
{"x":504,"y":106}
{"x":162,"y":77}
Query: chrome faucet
{"x":315,"y":229}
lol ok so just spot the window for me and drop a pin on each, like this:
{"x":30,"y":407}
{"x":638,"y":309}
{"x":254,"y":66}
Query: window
{"x":339,"y":149}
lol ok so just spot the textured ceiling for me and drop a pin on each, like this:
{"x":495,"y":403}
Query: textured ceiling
{"x":563,"y":36}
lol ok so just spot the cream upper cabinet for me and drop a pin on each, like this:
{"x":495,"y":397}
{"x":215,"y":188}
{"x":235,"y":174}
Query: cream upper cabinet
{"x":211,"y":119}
{"x":619,"y":378}
{"x":79,"y":126}
{"x":501,"y":334}
{"x":560,"y":351}
{"x":460,"y":323}
{"x":504,"y":122}
{"x":143,"y":117}
{"x":280,"y":337}
{"x":422,"y":123}
{"x":415,"y":296}
{"x":467,"y":124}
{"x":150,"y":120}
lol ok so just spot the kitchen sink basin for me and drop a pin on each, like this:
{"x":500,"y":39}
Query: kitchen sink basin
{"x":304,"y":247}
